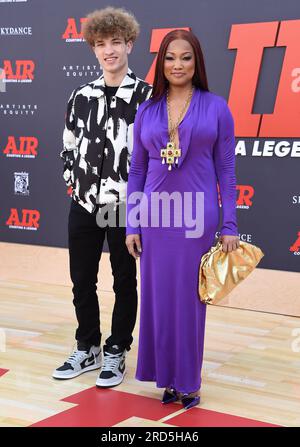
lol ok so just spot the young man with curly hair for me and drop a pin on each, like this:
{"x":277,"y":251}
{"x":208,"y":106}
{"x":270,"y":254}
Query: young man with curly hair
{"x":98,"y":138}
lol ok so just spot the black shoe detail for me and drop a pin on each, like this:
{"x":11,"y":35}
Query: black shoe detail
{"x":65,"y":367}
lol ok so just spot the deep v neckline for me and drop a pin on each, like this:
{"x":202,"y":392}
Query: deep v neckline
{"x":166,"y":119}
{"x":184,"y":133}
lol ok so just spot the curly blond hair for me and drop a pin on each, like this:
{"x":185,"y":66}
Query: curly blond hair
{"x":110,"y":22}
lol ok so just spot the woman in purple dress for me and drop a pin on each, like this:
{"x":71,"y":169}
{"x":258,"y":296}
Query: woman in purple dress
{"x":183,"y":146}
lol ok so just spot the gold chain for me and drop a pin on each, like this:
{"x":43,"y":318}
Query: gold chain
{"x":172,"y":128}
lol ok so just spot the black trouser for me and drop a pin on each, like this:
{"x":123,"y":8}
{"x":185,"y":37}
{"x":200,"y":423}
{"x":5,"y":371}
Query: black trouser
{"x":86,"y":240}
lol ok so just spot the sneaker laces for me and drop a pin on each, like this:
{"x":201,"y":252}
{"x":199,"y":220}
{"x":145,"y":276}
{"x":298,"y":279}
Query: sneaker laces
{"x":76,"y":357}
{"x":111,"y":361}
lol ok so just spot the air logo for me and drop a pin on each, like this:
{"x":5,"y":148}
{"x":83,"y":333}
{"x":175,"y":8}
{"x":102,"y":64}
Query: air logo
{"x":18,"y":71}
{"x":73,"y":32}
{"x":24,"y":220}
{"x":24,"y":146}
{"x":295,"y":248}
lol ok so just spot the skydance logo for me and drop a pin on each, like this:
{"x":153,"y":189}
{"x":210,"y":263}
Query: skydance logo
{"x":15,"y":31}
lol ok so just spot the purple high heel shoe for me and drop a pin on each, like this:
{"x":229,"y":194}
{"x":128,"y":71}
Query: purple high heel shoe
{"x":169,"y":397}
{"x":188,"y":401}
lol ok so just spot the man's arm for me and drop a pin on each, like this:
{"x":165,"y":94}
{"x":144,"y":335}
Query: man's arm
{"x":69,"y":143}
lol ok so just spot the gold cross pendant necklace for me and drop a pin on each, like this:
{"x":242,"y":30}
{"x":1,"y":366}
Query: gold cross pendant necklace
{"x":171,"y":153}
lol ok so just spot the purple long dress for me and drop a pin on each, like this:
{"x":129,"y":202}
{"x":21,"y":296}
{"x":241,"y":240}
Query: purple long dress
{"x":172,"y":319}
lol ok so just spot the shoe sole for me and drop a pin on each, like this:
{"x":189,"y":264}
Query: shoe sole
{"x":170,"y":401}
{"x":103,"y":384}
{"x":77,"y":373}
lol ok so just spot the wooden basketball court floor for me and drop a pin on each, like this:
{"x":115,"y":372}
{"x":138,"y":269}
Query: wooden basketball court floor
{"x":251,"y":371}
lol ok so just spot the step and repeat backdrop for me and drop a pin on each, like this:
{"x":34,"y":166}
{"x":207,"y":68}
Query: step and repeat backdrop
{"x":252,"y":56}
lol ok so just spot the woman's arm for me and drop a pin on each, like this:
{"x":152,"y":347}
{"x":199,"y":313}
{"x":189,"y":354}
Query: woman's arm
{"x":137,"y":172}
{"x":224,"y":159}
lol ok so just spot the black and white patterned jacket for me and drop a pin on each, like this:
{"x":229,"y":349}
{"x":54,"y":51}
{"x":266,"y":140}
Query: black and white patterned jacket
{"x":94,"y":135}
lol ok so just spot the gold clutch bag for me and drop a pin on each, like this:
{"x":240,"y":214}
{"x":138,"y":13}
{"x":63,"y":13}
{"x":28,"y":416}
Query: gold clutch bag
{"x":220,"y":272}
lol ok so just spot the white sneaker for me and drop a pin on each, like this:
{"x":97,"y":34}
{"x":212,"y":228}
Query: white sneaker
{"x":113,"y":369}
{"x":79,"y":362}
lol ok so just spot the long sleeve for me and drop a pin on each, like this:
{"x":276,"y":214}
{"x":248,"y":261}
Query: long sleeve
{"x":137,"y":173}
{"x":224,"y":159}
{"x":69,"y":142}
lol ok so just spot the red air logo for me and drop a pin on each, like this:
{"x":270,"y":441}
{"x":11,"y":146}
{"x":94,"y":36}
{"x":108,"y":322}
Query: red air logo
{"x":73,"y":31}
{"x":295,"y":248}
{"x":25,"y":220}
{"x":245,"y":194}
{"x":18,"y":71}
{"x":21,"y":147}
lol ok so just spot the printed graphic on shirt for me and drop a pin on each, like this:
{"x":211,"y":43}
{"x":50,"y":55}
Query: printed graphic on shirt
{"x":98,"y":140}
